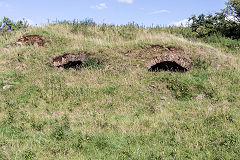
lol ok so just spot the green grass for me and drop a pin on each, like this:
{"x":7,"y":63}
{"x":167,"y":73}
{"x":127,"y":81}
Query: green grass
{"x":112,"y":108}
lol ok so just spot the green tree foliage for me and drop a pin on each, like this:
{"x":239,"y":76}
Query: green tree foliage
{"x":206,"y":25}
{"x":8,"y":25}
{"x":233,"y":8}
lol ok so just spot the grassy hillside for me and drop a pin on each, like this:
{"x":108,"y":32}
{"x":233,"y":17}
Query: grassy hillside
{"x":113,"y":108}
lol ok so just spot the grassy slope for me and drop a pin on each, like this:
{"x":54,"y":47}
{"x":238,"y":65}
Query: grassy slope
{"x":116,"y":111}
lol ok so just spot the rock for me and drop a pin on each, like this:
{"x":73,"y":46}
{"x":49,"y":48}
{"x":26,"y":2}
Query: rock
{"x":153,"y":86}
{"x":126,"y":59}
{"x":7,"y":87}
{"x":9,"y":46}
{"x":159,"y":107}
{"x":192,"y":40}
{"x":4,"y":50}
{"x":218,"y":66}
{"x":164,"y":98}
{"x":19,"y":68}
{"x":210,"y":108}
{"x":5,"y":81}
{"x":60,"y":69}
{"x":109,"y":101}
{"x":200,"y":96}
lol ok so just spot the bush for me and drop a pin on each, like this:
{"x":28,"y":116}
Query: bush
{"x":207,"y":25}
{"x":233,"y":8}
{"x":82,"y":26}
{"x":8,"y":25}
{"x":226,"y":23}
{"x":129,"y":31}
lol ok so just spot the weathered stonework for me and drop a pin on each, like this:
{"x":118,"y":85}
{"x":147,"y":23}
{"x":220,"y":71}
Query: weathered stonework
{"x":170,"y":58}
{"x":36,"y":39}
{"x":68,"y":59}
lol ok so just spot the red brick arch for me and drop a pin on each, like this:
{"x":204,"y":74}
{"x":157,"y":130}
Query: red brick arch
{"x":171,"y":62}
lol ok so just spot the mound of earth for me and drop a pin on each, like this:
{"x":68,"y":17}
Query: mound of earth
{"x":35,"y":40}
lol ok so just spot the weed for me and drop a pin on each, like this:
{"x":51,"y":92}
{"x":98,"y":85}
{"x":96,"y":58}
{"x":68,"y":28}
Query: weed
{"x":78,"y":141}
{"x":186,"y":87}
{"x":58,"y":133}
{"x":28,"y":155}
{"x":92,"y":63}
{"x":37,"y":125}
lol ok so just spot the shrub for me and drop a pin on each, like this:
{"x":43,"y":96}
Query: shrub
{"x":82,"y":27}
{"x":220,"y":23}
{"x":206,"y":25}
{"x":8,"y":25}
{"x":129,"y":31}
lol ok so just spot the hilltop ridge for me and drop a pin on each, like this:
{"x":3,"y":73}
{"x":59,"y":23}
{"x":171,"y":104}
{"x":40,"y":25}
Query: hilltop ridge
{"x":112,"y":106}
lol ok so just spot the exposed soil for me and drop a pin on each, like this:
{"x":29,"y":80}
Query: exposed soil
{"x":174,"y":49}
{"x":35,"y":40}
{"x":158,"y":47}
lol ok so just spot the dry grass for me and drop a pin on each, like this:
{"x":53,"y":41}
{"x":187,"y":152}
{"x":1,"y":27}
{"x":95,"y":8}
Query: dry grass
{"x":116,"y":111}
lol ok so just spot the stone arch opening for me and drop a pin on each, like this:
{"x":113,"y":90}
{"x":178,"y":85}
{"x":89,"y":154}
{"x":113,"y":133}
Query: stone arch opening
{"x":69,"y":60}
{"x":169,"y":62}
{"x":167,"y":66}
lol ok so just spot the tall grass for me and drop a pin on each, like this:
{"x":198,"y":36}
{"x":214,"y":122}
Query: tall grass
{"x":113,"y":108}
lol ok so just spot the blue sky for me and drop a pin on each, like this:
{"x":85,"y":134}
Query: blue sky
{"x":144,"y":12}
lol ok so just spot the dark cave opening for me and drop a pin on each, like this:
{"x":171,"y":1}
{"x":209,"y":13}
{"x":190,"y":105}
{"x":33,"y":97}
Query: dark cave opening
{"x":167,"y":66}
{"x":74,"y":65}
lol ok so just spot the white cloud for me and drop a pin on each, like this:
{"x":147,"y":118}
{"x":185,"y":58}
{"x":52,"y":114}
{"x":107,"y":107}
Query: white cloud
{"x":30,"y":22}
{"x":100,"y":6}
{"x":159,"y":11}
{"x":126,"y":1}
{"x":4,"y":4}
{"x":182,"y":23}
{"x":232,"y":18}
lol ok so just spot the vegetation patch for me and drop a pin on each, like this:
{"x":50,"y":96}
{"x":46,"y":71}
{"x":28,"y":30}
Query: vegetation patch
{"x":93,"y":63}
{"x":114,"y":108}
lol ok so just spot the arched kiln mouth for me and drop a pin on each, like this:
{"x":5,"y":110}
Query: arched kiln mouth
{"x":69,"y":60}
{"x":169,"y":62}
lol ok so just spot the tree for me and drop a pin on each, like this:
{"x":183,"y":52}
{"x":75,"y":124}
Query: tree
{"x":233,"y":8}
{"x":219,"y":23}
{"x":9,"y":25}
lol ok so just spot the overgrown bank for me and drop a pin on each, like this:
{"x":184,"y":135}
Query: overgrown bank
{"x":113,"y":108}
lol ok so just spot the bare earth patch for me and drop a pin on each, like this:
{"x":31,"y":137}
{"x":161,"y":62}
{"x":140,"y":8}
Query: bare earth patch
{"x":35,"y":40}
